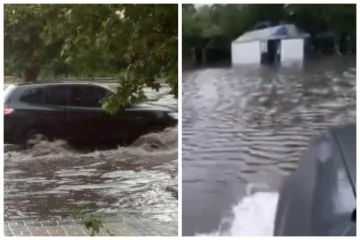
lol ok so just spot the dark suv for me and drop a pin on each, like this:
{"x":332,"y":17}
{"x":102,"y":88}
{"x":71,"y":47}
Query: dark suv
{"x":72,"y":111}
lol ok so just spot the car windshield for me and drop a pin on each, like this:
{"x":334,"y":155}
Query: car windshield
{"x":8,"y":91}
{"x":109,"y":89}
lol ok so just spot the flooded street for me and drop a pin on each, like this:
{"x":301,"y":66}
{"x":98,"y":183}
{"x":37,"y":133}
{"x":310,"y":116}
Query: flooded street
{"x":53,"y":181}
{"x":243,"y":132}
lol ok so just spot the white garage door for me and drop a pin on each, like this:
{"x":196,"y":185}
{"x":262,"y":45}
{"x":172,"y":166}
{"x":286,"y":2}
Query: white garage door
{"x":292,"y":50}
{"x":245,"y":53}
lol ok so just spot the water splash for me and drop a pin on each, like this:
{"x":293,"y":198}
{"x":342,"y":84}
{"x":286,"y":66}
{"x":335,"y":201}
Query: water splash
{"x":52,"y":178}
{"x":253,"y":215}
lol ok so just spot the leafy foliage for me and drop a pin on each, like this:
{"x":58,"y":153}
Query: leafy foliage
{"x":91,"y":222}
{"x":94,"y":224}
{"x":136,"y":43}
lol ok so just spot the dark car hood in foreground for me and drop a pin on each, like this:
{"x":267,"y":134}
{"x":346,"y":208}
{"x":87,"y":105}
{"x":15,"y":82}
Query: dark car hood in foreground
{"x":319,"y":198}
{"x":346,"y":138}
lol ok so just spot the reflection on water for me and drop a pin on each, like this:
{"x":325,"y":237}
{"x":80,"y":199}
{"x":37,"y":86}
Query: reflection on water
{"x":52,"y":180}
{"x":249,"y":126}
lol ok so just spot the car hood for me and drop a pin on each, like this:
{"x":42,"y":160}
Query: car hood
{"x":346,"y":138}
{"x":148,"y":106}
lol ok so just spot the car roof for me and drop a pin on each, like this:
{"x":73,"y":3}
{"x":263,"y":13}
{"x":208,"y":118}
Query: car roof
{"x":56,"y":83}
{"x":30,"y":85}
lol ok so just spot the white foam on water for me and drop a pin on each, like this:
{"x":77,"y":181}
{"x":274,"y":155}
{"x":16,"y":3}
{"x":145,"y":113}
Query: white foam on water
{"x":254,"y":215}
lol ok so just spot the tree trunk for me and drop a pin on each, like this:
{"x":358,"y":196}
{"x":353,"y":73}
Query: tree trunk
{"x":337,"y":46}
{"x":193,"y":55}
{"x":203,"y":56}
{"x":31,"y":73}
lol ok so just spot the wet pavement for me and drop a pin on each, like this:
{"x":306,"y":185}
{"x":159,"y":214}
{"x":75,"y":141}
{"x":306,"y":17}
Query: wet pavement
{"x":112,"y":226}
{"x":133,"y":190}
{"x":244,"y":130}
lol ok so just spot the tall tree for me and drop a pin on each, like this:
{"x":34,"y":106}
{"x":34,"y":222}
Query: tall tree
{"x":137,"y":43}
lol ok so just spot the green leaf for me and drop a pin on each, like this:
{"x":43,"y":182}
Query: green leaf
{"x":137,"y":42}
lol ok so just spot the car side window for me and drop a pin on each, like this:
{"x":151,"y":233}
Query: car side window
{"x":95,"y":95}
{"x":57,"y":95}
{"x":77,"y":96}
{"x":87,"y":96}
{"x":33,"y":96}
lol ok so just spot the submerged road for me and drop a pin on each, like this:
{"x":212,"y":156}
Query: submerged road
{"x":244,"y":130}
{"x":133,"y":190}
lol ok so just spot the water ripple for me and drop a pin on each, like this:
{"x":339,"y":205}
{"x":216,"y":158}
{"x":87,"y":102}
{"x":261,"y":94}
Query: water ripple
{"x":253,"y":126}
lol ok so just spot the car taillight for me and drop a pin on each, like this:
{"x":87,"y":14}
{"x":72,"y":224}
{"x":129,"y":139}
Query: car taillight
{"x":7,"y":111}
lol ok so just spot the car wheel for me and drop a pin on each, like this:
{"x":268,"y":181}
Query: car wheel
{"x":34,"y":137}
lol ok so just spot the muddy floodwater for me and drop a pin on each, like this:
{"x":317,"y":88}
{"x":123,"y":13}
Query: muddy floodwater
{"x":243,"y":132}
{"x":52,"y":180}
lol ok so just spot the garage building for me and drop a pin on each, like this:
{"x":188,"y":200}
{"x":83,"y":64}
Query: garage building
{"x":280,"y":44}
